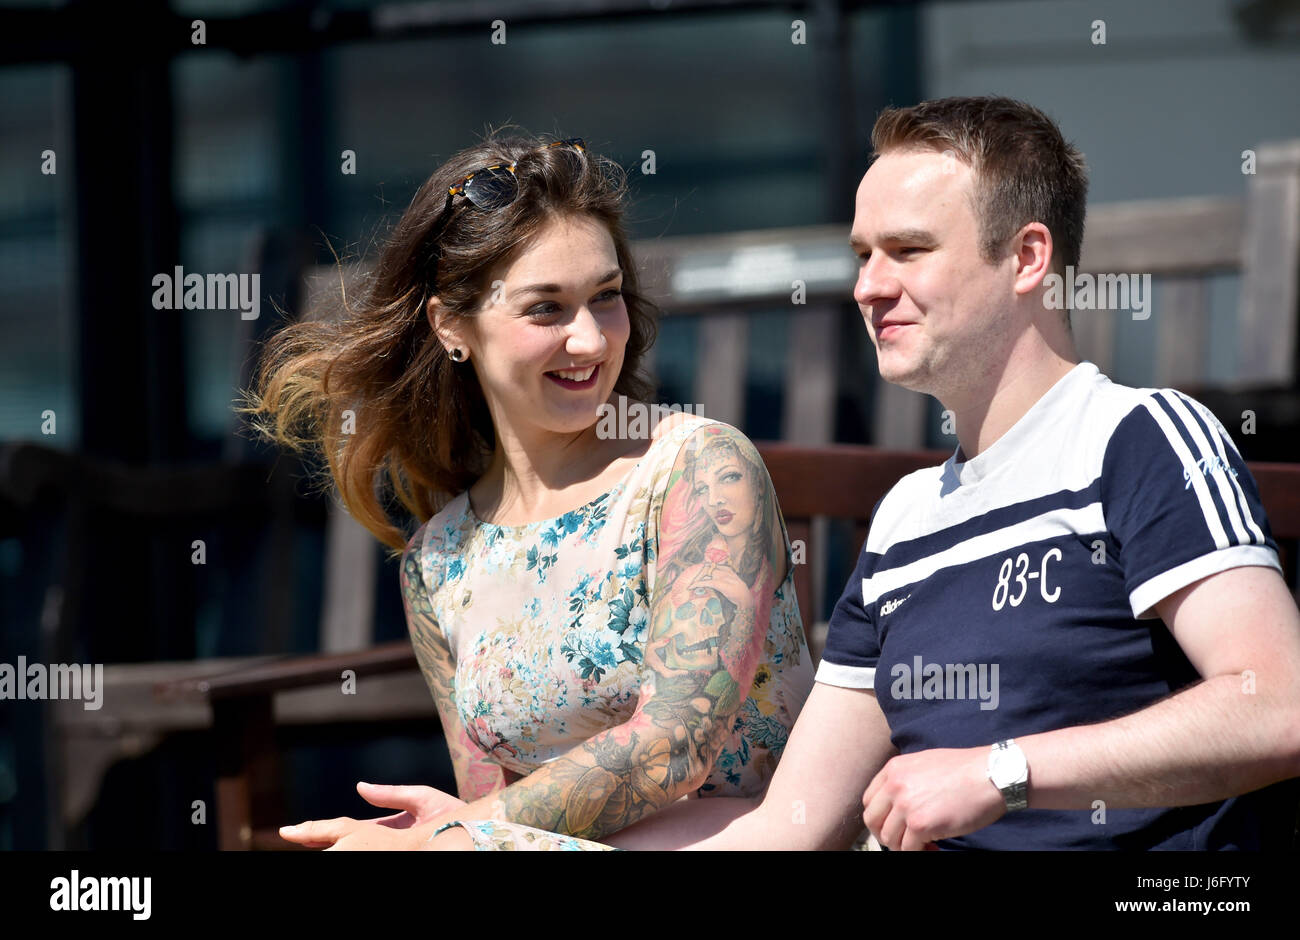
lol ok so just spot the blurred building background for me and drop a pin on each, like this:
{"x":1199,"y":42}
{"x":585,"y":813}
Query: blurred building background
{"x":226,"y":157}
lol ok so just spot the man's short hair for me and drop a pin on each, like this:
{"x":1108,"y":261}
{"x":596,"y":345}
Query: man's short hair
{"x":1025,"y":171}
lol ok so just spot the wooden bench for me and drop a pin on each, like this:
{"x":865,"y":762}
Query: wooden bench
{"x":840,"y":483}
{"x":715,"y":283}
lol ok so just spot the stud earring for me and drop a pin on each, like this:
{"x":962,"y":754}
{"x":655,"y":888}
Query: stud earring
{"x":457,"y":354}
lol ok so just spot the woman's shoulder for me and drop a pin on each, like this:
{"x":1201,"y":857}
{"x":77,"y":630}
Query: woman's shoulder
{"x":679,"y":427}
{"x":438,"y":535}
{"x":679,"y":434}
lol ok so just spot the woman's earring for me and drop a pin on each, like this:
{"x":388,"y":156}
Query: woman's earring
{"x":457,"y":354}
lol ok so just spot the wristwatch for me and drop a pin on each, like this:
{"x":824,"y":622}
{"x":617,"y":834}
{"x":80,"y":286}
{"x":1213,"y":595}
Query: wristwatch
{"x":1009,"y":772}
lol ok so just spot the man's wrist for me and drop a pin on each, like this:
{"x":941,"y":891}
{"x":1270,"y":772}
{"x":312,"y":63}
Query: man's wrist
{"x":1008,"y":771}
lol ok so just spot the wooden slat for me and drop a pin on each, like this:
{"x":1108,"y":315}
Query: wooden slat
{"x":1094,"y":336}
{"x":248,"y":772}
{"x":842,"y":481}
{"x":1182,"y":331}
{"x":1270,"y":293}
{"x":348,"y":611}
{"x":697,"y":273}
{"x":810,"y":375}
{"x":800,"y":530}
{"x":723,"y":355}
{"x":899,"y":417}
{"x":1279,"y":490}
{"x":291,"y":673}
{"x":1165,"y":236}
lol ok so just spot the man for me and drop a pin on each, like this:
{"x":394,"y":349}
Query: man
{"x":1072,"y":634}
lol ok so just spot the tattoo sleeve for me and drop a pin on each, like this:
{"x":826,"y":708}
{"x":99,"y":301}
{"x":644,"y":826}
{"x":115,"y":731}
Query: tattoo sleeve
{"x":722,"y":553}
{"x":477,"y":775}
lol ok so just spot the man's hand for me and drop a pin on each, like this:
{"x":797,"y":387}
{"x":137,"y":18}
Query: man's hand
{"x":419,"y":806}
{"x":936,"y":794}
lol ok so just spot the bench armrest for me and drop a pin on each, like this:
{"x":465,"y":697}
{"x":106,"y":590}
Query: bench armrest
{"x":291,"y":673}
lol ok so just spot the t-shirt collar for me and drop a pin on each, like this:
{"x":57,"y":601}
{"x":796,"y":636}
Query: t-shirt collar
{"x":1043,"y":413}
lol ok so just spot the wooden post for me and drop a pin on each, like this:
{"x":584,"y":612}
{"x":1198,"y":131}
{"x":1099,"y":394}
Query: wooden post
{"x":720,"y":369}
{"x":1270,"y":268}
{"x":248,"y":773}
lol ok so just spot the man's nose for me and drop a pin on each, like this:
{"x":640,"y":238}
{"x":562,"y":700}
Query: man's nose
{"x":876,"y":281}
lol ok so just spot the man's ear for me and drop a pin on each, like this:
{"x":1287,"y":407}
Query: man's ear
{"x":1034,"y":252}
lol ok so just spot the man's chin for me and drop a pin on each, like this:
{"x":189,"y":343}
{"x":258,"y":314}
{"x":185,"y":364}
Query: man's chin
{"x":911,"y":379}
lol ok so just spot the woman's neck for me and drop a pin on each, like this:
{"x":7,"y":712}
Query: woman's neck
{"x":524,"y":476}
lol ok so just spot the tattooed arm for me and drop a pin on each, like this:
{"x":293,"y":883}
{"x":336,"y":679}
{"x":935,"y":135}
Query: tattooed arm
{"x":721,"y":554}
{"x":477,"y":775}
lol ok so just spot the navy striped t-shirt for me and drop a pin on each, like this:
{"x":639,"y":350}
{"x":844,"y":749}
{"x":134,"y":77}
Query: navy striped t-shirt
{"x":1014,"y":593}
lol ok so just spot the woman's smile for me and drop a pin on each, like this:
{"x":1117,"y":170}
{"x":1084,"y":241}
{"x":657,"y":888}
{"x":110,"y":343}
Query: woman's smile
{"x":576,"y":379}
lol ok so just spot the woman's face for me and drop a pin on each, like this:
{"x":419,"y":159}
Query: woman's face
{"x":549,"y":338}
{"x":723,"y":485}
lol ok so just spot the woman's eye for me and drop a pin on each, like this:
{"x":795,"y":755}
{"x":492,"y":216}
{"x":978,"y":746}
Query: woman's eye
{"x":609,"y":295}
{"x":543,"y":310}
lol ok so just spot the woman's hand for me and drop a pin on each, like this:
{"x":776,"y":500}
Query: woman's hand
{"x":455,"y":839}
{"x":419,"y":806}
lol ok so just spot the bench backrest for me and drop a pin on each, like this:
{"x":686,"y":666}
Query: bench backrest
{"x":720,"y":279}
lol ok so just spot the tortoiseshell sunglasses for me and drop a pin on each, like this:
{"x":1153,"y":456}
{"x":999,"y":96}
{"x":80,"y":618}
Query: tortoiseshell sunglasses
{"x":489,"y":188}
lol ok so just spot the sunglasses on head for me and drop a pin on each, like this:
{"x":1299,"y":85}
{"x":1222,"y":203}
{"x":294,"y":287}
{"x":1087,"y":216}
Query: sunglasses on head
{"x":489,"y":188}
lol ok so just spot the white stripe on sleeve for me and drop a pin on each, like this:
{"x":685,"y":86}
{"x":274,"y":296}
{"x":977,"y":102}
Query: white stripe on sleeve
{"x":1198,"y":484}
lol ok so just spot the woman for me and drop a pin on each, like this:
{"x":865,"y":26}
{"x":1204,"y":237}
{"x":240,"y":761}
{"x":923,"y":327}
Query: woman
{"x":606,"y":624}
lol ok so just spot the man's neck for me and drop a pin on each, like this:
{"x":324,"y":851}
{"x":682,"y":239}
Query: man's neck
{"x":1002,"y":397}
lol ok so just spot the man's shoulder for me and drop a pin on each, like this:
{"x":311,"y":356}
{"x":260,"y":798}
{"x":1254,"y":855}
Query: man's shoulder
{"x":1122,"y":424}
{"x":906,"y":501}
{"x":1159,"y":423}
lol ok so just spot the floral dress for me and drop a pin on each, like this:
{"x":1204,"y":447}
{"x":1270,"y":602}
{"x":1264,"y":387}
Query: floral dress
{"x":547,"y":623}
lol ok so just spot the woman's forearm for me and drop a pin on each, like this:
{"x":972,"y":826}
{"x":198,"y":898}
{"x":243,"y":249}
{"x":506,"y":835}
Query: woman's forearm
{"x":607,"y":783}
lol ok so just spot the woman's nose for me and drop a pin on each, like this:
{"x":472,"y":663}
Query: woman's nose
{"x":585,"y":335}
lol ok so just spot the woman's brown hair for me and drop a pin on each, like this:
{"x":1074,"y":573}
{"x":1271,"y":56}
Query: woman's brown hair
{"x":420,"y":423}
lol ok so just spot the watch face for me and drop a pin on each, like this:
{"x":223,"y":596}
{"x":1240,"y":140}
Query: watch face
{"x":1007,"y":766}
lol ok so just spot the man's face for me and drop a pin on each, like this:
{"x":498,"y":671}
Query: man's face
{"x":937,"y":312}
